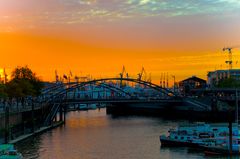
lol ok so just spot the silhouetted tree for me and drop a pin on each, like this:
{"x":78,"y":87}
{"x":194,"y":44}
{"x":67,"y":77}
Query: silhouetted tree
{"x":2,"y":90}
{"x":23,"y":83}
{"x":228,"y":83}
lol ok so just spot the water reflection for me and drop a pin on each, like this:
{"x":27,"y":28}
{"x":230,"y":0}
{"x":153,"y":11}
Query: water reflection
{"x":95,"y":135}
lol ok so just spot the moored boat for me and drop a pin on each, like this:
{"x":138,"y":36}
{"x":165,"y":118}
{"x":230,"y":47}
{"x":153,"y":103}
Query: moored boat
{"x":198,"y":135}
{"x":7,"y":151}
{"x":186,"y":135}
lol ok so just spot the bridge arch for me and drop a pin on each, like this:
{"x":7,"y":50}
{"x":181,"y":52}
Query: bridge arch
{"x":149,"y":84}
{"x":109,"y":87}
{"x":60,"y":91}
{"x":74,"y":85}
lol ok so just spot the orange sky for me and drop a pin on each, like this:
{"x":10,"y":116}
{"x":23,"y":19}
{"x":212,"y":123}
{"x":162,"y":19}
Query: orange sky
{"x":98,"y":37}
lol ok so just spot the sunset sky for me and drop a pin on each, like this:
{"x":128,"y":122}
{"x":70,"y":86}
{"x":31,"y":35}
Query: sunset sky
{"x":98,"y":37}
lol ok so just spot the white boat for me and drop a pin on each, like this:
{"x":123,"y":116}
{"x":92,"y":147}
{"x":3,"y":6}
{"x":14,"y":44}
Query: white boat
{"x":199,"y":134}
{"x":185,"y":135}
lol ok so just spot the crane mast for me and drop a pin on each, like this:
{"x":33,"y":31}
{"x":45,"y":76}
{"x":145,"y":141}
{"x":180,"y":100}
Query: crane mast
{"x":121,"y":76}
{"x":140,"y":75}
{"x":229,"y":61}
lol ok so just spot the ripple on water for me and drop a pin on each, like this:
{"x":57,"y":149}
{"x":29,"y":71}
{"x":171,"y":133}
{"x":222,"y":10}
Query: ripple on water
{"x":95,"y":135}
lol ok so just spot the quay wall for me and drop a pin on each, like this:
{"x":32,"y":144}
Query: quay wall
{"x":14,"y":119}
{"x":22,"y":122}
{"x":193,"y":110}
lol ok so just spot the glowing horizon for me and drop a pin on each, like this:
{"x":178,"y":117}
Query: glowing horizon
{"x":98,"y":37}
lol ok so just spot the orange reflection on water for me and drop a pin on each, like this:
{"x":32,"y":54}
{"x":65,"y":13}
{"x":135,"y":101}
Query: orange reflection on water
{"x":83,"y":121}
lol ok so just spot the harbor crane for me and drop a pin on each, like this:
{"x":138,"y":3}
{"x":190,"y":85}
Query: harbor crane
{"x":122,"y":74}
{"x":140,"y":75}
{"x":229,"y":61}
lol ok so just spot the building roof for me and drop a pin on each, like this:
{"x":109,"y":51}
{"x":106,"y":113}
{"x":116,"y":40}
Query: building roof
{"x":223,"y":71}
{"x":194,"y":78}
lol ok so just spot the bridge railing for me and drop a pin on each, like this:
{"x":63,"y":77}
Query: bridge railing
{"x":22,"y":104}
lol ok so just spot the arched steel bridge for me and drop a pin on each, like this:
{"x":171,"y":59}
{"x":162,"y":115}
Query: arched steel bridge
{"x":57,"y":95}
{"x":62,"y":88}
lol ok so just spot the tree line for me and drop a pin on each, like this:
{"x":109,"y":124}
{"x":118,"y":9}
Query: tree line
{"x":23,"y":82}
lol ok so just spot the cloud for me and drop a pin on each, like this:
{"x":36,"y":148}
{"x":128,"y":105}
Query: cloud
{"x":78,"y":2}
{"x":88,"y":11}
{"x":142,"y":2}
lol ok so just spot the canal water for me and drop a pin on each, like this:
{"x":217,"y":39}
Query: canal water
{"x":95,"y":135}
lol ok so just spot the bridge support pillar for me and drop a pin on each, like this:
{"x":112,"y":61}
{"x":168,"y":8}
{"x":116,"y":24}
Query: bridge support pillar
{"x":61,"y":113}
{"x":33,"y":118}
{"x":64,"y":114}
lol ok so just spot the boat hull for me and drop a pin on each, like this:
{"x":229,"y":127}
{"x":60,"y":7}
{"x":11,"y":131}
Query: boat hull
{"x":219,"y":151}
{"x":176,"y":143}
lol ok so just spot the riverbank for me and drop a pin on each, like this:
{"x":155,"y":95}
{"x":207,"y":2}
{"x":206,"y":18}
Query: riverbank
{"x":37,"y":132}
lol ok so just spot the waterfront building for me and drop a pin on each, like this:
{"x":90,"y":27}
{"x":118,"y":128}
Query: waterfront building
{"x":186,"y":85}
{"x":218,"y":75}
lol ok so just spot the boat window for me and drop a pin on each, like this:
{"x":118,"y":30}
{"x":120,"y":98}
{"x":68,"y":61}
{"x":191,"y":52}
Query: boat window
{"x":182,"y":137}
{"x":223,"y":134}
{"x":12,"y":153}
{"x":184,"y":132}
{"x":176,"y":137}
{"x":204,"y":135}
{"x":211,"y":134}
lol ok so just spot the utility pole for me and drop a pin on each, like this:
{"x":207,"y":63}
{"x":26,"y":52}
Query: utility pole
{"x":173,"y":76}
